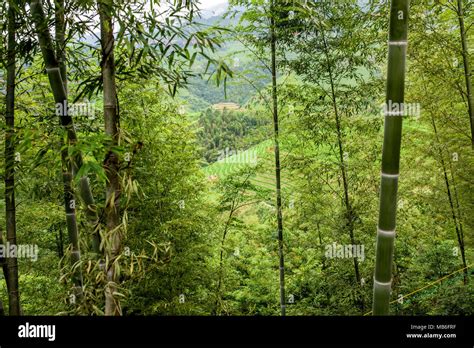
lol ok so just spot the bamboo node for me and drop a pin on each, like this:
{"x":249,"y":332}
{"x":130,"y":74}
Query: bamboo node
{"x":398,"y":43}
{"x":394,"y":113}
{"x":392,"y":176}
{"x":382,"y":284}
{"x":53,"y":69}
{"x":386,"y":232}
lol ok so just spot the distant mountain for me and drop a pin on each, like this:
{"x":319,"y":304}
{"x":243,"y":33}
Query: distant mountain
{"x":216,"y":10}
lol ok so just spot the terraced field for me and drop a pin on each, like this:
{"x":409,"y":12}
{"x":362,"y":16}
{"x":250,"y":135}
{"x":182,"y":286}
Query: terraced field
{"x":262,"y":155}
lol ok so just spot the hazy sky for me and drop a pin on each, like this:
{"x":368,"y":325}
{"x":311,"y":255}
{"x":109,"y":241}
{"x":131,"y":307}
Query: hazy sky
{"x":210,"y":3}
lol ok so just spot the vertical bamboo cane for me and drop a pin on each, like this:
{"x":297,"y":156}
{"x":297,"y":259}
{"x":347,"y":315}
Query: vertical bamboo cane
{"x":66,"y":161}
{"x":391,"y":156}
{"x":11,"y":262}
{"x":277,"y":161}
{"x":111,"y":162}
{"x":60,"y":96}
{"x":467,"y":69}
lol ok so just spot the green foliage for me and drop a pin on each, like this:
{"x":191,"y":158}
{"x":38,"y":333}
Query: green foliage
{"x":226,"y":132}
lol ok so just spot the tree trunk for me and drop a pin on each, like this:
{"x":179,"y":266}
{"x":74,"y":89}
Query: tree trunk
{"x":277,"y":161}
{"x":60,"y":243}
{"x":66,"y":161}
{"x":3,"y":265}
{"x":234,"y":207}
{"x":347,"y":203}
{"x":111,"y":162}
{"x":349,"y":213}
{"x":467,"y":69}
{"x":12,"y":262}
{"x":457,"y":223}
{"x":460,"y":218}
{"x":221,"y":259}
{"x":390,"y":156}
{"x":60,"y":96}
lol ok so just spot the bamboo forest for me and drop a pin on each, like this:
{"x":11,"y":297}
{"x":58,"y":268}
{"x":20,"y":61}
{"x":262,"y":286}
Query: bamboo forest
{"x":237,"y":158}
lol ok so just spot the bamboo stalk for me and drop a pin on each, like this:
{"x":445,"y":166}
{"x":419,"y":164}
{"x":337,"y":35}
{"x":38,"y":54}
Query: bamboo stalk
{"x":460,"y":218}
{"x":11,"y":262}
{"x":66,"y":161}
{"x":347,"y":203}
{"x":452,"y":196}
{"x":277,"y":161}
{"x":4,"y":267}
{"x":111,"y":162}
{"x":450,"y":199}
{"x":467,"y":68}
{"x":60,"y":96}
{"x":71,"y":221}
{"x":398,"y":35}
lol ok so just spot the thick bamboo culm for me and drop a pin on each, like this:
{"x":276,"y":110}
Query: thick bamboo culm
{"x":397,"y":48}
{"x":467,"y":68}
{"x":10,"y":205}
{"x":60,"y":97}
{"x":277,"y":162}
